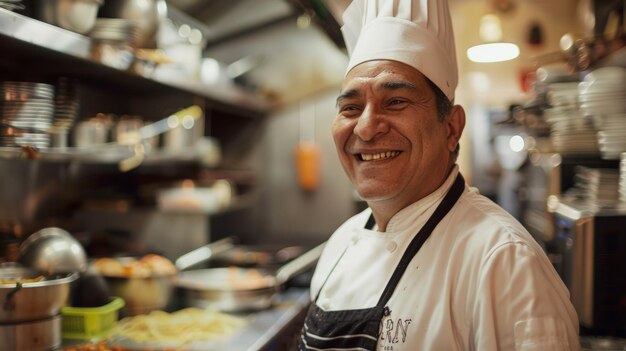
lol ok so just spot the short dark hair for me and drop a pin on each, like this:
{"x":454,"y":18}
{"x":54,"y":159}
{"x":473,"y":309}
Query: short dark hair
{"x":444,"y":107}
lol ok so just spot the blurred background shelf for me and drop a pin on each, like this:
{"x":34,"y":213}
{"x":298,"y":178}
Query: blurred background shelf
{"x":53,"y":51}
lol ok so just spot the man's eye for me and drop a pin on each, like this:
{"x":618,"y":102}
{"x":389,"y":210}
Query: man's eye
{"x":396,"y":102}
{"x":348,"y":108}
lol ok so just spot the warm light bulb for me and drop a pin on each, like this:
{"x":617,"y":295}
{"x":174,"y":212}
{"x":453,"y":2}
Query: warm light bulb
{"x":490,"y":29}
{"x":493,"y":52}
{"x":516,"y":143}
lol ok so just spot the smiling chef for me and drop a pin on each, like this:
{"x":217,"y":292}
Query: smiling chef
{"x":431,"y":264}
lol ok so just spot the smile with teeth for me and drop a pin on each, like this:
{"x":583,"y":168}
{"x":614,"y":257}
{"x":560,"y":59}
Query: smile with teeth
{"x":379,"y":156}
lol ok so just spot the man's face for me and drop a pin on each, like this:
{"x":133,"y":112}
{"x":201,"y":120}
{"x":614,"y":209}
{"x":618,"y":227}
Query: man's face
{"x":387,"y":134}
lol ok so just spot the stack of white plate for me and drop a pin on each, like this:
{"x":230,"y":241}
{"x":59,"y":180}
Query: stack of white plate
{"x":602,"y":96}
{"x":596,"y":186}
{"x":11,"y":5}
{"x":17,"y":137}
{"x":26,"y":113}
{"x":119,"y":30}
{"x":570,"y":131}
{"x":622,"y":178}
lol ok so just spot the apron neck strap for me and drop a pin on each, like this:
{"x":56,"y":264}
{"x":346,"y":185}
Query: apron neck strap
{"x":370,"y":222}
{"x":455,"y":192}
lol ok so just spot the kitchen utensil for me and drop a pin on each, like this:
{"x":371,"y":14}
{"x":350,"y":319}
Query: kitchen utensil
{"x":127,"y":128}
{"x":75,"y":15}
{"x":53,"y":250}
{"x":240,"y":289}
{"x":258,"y":256}
{"x":22,"y":302}
{"x":90,"y":132}
{"x":182,"y":117}
{"x":204,"y":253}
{"x":143,"y":294}
{"x":144,"y":13}
{"x":148,"y":293}
{"x":42,"y":335}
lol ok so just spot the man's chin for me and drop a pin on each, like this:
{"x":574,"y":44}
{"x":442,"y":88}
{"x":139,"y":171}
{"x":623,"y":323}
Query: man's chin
{"x":373,"y":195}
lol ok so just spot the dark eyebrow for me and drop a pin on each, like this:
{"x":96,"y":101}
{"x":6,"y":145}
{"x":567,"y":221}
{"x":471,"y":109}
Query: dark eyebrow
{"x":399,"y":84}
{"x":346,"y":95}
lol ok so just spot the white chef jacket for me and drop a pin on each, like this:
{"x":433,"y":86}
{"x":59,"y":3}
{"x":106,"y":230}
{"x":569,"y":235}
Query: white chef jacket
{"x":480,"y":282}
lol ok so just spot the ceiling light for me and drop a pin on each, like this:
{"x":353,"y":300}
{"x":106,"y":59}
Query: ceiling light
{"x":493,"y":52}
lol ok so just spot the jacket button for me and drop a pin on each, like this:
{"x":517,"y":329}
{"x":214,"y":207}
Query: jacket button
{"x":392,"y":246}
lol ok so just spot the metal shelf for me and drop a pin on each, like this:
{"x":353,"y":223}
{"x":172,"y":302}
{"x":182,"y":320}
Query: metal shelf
{"x":66,"y":52}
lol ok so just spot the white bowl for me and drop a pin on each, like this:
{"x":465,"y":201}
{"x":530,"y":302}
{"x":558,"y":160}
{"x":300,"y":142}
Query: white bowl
{"x":611,"y":74}
{"x":76,"y":15}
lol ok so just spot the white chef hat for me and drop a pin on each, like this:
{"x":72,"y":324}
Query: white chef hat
{"x":415,"y":32}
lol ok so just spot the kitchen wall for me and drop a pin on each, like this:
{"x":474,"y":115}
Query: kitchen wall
{"x":290,"y":211}
{"x":284,"y":213}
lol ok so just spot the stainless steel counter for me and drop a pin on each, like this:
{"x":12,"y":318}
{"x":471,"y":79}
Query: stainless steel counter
{"x":265,"y":326}
{"x":272,"y":329}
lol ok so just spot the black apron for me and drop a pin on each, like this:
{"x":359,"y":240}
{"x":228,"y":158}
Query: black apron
{"x":359,"y":329}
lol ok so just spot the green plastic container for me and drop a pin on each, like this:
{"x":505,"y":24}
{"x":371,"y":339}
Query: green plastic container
{"x":90,"y":322}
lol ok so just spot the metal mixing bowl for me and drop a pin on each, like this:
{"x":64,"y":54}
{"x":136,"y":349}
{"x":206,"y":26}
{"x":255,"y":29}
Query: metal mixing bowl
{"x":75,"y":15}
{"x":53,"y":250}
{"x":143,"y":294}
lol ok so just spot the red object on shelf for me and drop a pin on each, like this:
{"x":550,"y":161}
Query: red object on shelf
{"x":527,"y":78}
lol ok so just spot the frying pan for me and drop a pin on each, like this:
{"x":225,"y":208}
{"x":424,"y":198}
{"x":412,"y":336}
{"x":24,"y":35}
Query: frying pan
{"x":240,"y":289}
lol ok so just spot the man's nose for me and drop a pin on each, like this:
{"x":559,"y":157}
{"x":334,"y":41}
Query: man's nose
{"x":370,"y":123}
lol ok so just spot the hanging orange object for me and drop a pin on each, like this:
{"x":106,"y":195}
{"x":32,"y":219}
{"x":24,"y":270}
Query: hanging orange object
{"x":308,"y":159}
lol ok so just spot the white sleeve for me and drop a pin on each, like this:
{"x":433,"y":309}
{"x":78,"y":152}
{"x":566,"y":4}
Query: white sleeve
{"x":521,"y":303}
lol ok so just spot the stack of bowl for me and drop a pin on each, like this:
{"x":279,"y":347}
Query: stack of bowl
{"x":26,"y":113}
{"x":596,"y":186}
{"x":570,"y":131}
{"x":602,"y":96}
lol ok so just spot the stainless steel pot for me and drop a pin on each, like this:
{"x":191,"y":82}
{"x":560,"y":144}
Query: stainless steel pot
{"x":142,"y":294}
{"x":145,"y":294}
{"x":240,"y":289}
{"x":21,"y":302}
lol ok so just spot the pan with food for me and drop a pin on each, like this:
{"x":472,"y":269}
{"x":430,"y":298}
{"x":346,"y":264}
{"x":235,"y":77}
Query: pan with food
{"x":235,"y":289}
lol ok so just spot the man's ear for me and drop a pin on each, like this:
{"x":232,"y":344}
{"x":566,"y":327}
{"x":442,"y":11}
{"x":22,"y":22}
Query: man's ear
{"x":456,"y":124}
